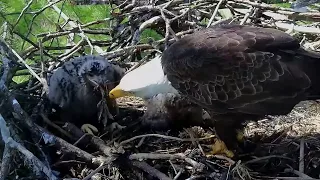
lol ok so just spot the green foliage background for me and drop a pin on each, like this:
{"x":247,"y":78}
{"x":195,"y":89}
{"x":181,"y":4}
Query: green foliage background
{"x":32,"y":24}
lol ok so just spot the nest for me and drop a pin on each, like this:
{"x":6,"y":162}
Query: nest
{"x":34,"y":147}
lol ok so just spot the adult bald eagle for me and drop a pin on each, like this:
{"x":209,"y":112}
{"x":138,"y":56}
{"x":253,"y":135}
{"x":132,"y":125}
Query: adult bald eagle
{"x":75,"y":89}
{"x":235,"y":72}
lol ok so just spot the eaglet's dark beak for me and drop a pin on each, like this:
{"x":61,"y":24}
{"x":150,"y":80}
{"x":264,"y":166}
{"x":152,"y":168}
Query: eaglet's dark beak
{"x":92,"y":81}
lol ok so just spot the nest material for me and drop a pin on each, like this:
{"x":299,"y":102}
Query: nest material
{"x":285,"y":147}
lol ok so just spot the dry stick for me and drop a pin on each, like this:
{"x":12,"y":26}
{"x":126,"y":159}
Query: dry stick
{"x":6,"y":162}
{"x":162,"y":136}
{"x":150,"y":170}
{"x":73,"y":25}
{"x":120,"y":52}
{"x":196,"y":165}
{"x":94,"y":172}
{"x":178,"y":174}
{"x":3,"y":43}
{"x":301,"y":157}
{"x":261,"y":5}
{"x":22,"y":13}
{"x":265,"y":158}
{"x":245,"y":18}
{"x":73,"y":50}
{"x":32,"y":159}
{"x":48,"y":36}
{"x":194,"y":142}
{"x":96,"y":22}
{"x":167,"y":33}
{"x":44,"y":8}
{"x":232,"y":162}
{"x":296,"y":28}
{"x":215,"y":13}
{"x":87,"y":39}
{"x":300,"y":174}
{"x":5,"y":29}
{"x":145,"y":25}
{"x":47,"y":120}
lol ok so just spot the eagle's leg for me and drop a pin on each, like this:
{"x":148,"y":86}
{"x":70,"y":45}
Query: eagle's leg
{"x":229,"y":130}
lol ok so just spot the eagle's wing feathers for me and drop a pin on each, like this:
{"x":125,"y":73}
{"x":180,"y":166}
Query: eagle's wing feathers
{"x":233,"y":68}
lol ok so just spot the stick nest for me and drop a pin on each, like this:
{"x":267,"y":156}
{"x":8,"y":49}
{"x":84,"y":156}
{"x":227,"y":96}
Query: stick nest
{"x":34,"y":147}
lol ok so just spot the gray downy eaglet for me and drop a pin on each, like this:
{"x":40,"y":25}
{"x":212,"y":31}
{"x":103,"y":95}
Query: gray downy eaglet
{"x":77,"y":89}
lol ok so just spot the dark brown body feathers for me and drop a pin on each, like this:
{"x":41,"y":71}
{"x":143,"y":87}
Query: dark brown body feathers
{"x":242,"y":69}
{"x":240,"y":73}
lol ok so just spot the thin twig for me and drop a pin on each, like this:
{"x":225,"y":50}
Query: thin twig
{"x":163,"y":136}
{"x":22,"y":13}
{"x":301,"y":156}
{"x":150,"y":170}
{"x":215,"y":12}
{"x":196,"y":165}
{"x":95,"y":171}
{"x":34,"y":162}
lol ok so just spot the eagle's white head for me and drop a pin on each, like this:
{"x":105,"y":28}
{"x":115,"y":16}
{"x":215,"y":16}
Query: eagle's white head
{"x":145,"y":82}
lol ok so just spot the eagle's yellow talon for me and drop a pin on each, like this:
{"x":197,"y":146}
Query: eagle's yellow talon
{"x":240,"y":136}
{"x":219,"y":147}
{"x":88,"y":128}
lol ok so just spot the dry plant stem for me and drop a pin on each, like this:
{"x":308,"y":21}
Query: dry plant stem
{"x":167,"y":22}
{"x":94,"y":172}
{"x":100,"y":144}
{"x":215,"y":12}
{"x":6,"y":68}
{"x":178,"y":174}
{"x":87,"y":39}
{"x":6,"y":162}
{"x":296,"y":28}
{"x":181,"y":156}
{"x":22,"y":13}
{"x":4,"y":46}
{"x":45,"y":7}
{"x":150,"y":170}
{"x":194,"y":142}
{"x":300,"y":174}
{"x":122,"y":51}
{"x":265,"y":158}
{"x":301,"y":157}
{"x":245,"y":18}
{"x":69,"y":148}
{"x":46,"y":120}
{"x":260,"y":5}
{"x":4,"y":26}
{"x":161,"y":136}
{"x":232,"y":162}
{"x":180,"y":34}
{"x":73,"y":25}
{"x":33,"y":162}
{"x":72,"y":51}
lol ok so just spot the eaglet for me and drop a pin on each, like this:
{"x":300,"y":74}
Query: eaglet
{"x":77,"y":89}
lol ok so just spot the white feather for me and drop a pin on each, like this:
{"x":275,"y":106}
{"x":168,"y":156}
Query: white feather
{"x":147,"y":80}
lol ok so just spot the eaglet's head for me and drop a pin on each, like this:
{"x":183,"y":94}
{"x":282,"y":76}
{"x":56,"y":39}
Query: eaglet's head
{"x":145,"y":81}
{"x":96,"y":72}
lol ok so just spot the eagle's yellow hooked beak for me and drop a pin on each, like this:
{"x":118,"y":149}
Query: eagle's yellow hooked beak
{"x":117,"y":92}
